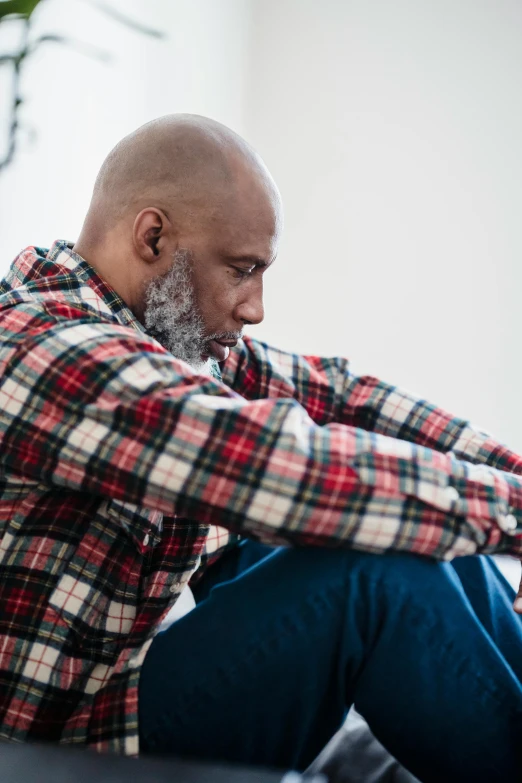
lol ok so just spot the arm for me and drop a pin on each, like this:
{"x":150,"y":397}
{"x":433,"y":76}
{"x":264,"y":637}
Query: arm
{"x":329,"y":392}
{"x":99,"y":408}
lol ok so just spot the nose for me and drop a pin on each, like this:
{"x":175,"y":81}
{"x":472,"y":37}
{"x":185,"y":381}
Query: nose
{"x":251,"y":310}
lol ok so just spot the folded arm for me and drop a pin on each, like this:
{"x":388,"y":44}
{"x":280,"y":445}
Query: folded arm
{"x":330,"y":392}
{"x":99,"y":408}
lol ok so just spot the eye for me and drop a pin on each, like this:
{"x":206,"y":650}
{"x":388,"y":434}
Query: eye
{"x":242,"y":273}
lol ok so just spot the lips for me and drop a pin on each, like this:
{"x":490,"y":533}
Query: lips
{"x":220,"y":349}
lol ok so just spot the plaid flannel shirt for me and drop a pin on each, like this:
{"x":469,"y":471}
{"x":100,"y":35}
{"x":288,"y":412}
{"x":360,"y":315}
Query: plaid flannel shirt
{"x":116,"y":459}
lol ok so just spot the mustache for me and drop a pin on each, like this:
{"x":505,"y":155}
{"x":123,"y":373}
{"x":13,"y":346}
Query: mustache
{"x":225,"y":336}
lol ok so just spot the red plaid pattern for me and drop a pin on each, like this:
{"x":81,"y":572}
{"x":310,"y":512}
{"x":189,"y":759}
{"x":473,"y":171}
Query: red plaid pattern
{"x":121,"y":470}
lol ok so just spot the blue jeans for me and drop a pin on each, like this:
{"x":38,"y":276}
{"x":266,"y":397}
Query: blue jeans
{"x":283,"y":641}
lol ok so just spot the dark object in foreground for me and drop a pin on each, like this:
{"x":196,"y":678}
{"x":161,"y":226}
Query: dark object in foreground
{"x":25,"y":763}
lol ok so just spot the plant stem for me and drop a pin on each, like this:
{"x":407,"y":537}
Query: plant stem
{"x":17,"y":100}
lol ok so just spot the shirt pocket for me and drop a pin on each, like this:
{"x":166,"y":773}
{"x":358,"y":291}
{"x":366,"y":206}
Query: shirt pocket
{"x":143,"y":525}
{"x":98,"y":590}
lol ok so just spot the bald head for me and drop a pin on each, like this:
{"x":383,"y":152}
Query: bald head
{"x":185,"y":189}
{"x":184,"y":163}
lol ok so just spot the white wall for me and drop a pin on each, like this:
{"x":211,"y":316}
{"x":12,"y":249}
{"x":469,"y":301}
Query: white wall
{"x":81,"y":107}
{"x":394,"y":130}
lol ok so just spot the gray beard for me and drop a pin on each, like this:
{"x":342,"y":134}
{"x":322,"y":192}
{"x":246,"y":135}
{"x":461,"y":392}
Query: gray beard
{"x":171,"y":314}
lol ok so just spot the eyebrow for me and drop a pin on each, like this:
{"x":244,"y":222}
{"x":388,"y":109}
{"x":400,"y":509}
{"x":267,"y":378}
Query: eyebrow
{"x":252,"y":260}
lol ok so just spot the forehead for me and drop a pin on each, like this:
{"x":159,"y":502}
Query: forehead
{"x":250,"y":219}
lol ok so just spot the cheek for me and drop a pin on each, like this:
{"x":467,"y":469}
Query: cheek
{"x":216,"y":305}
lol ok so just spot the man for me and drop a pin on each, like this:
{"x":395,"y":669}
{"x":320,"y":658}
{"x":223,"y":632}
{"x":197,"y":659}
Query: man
{"x":121,"y":445}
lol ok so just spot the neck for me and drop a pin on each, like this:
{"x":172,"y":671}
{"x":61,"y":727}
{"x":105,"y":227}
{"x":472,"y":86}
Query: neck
{"x":106,"y":262}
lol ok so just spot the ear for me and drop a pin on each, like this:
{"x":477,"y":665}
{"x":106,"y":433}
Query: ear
{"x":153,"y":235}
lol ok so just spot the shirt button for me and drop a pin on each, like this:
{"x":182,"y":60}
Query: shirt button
{"x":146,"y":540}
{"x":451,"y":494}
{"x":173,"y":588}
{"x":508,"y":523}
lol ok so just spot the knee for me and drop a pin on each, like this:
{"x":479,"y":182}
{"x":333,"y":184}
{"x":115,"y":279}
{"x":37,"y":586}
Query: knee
{"x":389,"y":571}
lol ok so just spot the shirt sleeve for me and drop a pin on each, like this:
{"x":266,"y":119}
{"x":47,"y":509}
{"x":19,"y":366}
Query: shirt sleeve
{"x":330,"y":392}
{"x":99,"y":408}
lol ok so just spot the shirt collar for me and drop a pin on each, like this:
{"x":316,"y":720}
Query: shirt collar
{"x":106,"y":299}
{"x":34,"y":263}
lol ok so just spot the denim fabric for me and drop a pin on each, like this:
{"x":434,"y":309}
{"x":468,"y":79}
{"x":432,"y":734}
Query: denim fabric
{"x":283,"y":641}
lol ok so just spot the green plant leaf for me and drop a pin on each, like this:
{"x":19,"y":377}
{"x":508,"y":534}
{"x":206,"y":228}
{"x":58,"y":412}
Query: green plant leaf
{"x":17,"y":7}
{"x":105,"y":8}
